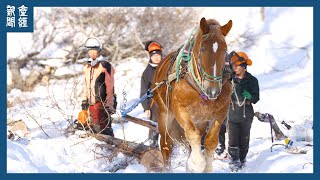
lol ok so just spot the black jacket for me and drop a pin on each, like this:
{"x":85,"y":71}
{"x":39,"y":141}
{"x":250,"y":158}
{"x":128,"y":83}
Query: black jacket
{"x":146,"y":80}
{"x":250,"y":84}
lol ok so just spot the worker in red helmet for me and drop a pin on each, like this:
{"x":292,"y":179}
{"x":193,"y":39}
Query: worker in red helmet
{"x":155,"y":55}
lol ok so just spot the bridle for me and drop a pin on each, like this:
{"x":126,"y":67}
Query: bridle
{"x":198,"y":75}
{"x":204,"y":75}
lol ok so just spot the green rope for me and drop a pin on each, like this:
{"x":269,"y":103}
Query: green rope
{"x":214,"y":78}
{"x":182,"y":55}
{"x":195,"y":78}
{"x":187,"y":57}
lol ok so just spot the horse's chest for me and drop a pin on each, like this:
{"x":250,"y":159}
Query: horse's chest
{"x":200,"y":112}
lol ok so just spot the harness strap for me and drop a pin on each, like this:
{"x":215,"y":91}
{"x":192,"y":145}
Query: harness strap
{"x":191,"y":82}
{"x":172,"y":77}
{"x":152,"y":102}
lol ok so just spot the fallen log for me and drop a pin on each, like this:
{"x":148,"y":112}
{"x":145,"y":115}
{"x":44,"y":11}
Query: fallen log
{"x":150,"y":157}
{"x":127,"y":147}
{"x":146,"y":123}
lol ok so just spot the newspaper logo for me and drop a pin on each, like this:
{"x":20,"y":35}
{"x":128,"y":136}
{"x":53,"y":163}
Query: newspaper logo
{"x":19,"y":18}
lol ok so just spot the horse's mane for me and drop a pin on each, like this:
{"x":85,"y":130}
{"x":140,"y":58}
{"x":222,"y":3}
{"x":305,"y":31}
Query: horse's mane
{"x":213,"y":22}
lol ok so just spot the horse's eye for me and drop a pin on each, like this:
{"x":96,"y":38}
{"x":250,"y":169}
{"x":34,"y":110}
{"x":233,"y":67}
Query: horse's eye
{"x":202,"y":49}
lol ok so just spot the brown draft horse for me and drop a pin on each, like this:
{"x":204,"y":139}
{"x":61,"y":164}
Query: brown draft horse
{"x":184,"y":114}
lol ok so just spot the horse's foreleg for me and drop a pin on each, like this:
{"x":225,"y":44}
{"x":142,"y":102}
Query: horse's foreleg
{"x":166,"y":150}
{"x":196,"y":161}
{"x":211,"y":143}
{"x":166,"y":143}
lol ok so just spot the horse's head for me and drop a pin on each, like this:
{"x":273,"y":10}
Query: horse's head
{"x":210,"y":49}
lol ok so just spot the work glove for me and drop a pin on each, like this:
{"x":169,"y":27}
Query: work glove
{"x":247,"y":95}
{"x":84,"y":105}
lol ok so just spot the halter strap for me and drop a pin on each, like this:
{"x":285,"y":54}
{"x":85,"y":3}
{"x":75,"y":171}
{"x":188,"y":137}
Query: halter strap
{"x":190,"y":59}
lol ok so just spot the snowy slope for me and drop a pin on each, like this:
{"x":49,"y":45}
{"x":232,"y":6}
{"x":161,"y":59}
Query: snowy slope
{"x":286,"y":90}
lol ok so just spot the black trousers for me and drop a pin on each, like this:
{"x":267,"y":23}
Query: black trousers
{"x":154,"y":134}
{"x":222,"y":135}
{"x":239,"y":137}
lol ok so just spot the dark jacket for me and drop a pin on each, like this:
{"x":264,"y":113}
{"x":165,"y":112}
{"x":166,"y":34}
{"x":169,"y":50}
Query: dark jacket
{"x":250,"y":84}
{"x":146,"y":80}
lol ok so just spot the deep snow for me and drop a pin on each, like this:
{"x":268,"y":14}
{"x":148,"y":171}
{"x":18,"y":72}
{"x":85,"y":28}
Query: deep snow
{"x":283,"y":68}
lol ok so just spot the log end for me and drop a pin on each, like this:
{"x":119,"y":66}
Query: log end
{"x":152,"y":160}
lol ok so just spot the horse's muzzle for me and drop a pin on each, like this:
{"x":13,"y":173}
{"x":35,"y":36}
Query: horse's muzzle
{"x":213,"y":92}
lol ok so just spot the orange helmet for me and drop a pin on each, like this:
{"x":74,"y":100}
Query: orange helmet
{"x":154,"y":46}
{"x":239,"y":58}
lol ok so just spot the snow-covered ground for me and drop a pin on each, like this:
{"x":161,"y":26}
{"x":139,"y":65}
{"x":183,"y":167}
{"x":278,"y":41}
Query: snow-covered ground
{"x":282,"y":57}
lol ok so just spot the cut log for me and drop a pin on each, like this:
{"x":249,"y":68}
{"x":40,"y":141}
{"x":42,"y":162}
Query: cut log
{"x":32,"y":78}
{"x":149,"y":157}
{"x":127,"y":147}
{"x":152,"y":160}
{"x":18,"y":128}
{"x":146,"y":123}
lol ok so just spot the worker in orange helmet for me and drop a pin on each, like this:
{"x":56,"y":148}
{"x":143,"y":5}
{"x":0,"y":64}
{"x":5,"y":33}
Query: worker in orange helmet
{"x":155,"y":55}
{"x":245,"y":93}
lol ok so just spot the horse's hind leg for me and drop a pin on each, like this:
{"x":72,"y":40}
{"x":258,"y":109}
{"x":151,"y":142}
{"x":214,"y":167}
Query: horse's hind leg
{"x":196,"y":161}
{"x":211,"y":143}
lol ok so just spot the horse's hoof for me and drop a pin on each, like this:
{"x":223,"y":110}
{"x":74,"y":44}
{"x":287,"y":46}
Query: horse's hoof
{"x":196,"y":166}
{"x":208,"y":169}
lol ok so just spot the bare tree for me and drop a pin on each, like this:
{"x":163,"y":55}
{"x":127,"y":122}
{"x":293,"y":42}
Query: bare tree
{"x":121,"y":30}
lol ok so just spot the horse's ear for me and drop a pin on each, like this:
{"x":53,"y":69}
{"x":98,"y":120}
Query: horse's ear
{"x":204,"y":26}
{"x":226,"y":28}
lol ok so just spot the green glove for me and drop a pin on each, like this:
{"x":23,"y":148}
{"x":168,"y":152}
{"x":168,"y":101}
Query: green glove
{"x":247,"y":95}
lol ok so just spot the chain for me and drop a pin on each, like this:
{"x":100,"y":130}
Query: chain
{"x":124,"y":95}
{"x":238,"y":101}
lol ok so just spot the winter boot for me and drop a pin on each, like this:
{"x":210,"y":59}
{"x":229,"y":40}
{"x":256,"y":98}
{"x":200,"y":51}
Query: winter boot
{"x":243,"y":154}
{"x":108,"y":131}
{"x":153,"y":136}
{"x":234,"y":164}
{"x":243,"y":163}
